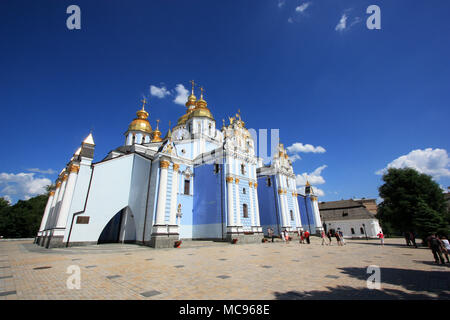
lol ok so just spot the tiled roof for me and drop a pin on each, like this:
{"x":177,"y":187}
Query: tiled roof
{"x":344,"y":210}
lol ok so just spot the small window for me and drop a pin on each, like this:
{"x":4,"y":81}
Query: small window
{"x":292,"y":215}
{"x":245,"y":210}
{"x":242,"y":169}
{"x":287,"y":182}
{"x":216,"y":168}
{"x":186,"y":186}
{"x":353,"y":231}
{"x":244,"y":191}
{"x":362,"y":230}
{"x":344,"y":213}
{"x":269,"y":182}
{"x":133,"y":139}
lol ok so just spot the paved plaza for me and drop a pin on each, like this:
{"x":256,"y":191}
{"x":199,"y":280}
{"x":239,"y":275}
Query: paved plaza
{"x":220,"y":271}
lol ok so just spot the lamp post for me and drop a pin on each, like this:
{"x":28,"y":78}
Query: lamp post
{"x":364,"y":226}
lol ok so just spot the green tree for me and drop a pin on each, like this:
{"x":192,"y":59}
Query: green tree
{"x":23,"y":219}
{"x":412,"y":201}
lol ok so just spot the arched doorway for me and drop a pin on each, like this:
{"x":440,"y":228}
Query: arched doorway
{"x":121,"y":228}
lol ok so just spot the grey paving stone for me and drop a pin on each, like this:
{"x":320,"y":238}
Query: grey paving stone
{"x":5,"y":267}
{"x":89,"y":267}
{"x":114,"y":276}
{"x":7,"y":293}
{"x":149,"y":259}
{"x":267,"y":267}
{"x":41,"y":268}
{"x":222,"y":259}
{"x":6,"y":277}
{"x":223,"y":277}
{"x":150,"y":293}
{"x":332,"y":277}
{"x":179,"y":266}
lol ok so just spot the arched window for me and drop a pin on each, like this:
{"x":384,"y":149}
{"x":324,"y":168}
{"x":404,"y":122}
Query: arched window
{"x":186,"y":186}
{"x":269,"y":182}
{"x":242,"y":169}
{"x":353,"y":231}
{"x":362,"y":230}
{"x":245,"y":210}
{"x":244,"y":191}
{"x":292,"y":215}
{"x":133,"y":139}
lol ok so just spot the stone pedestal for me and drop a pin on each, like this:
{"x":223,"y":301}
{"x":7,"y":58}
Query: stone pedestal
{"x":164,"y":236}
{"x":245,"y":237}
{"x":55,"y":242}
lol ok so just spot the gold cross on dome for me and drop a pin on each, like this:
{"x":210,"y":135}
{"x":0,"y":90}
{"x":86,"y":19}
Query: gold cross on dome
{"x":193,"y":84}
{"x":144,"y":101}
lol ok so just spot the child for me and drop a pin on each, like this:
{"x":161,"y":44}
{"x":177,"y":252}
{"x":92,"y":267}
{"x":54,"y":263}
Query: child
{"x":381,"y":236}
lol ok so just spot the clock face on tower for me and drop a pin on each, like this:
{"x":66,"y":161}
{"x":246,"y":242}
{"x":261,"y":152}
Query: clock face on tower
{"x":182,"y":134}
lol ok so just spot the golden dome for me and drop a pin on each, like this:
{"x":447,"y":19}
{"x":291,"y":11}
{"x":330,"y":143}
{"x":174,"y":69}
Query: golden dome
{"x":200,"y":109}
{"x":183,"y":119}
{"x":156,"y":134}
{"x":200,"y":112}
{"x":192,"y":98}
{"x":141,"y":123}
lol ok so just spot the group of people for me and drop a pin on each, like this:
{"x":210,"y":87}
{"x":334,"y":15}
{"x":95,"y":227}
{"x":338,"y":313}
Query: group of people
{"x":439,"y":247}
{"x":304,"y":236}
{"x":330,"y":234}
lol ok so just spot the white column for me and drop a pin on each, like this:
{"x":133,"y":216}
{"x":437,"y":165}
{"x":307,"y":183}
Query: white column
{"x":297,"y":209}
{"x":53,"y":207}
{"x":67,"y":199}
{"x":251,"y":205}
{"x":162,"y":193}
{"x":62,"y":191}
{"x":255,"y":190}
{"x":230,"y":201}
{"x":47,"y":210}
{"x":238,"y":204}
{"x":283,"y":209}
{"x":317,"y":219}
{"x":174,"y":197}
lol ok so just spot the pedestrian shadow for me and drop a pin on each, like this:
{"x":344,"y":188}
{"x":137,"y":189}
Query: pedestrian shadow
{"x":386,"y":244}
{"x":350,"y":293}
{"x":414,"y":280}
{"x":431,"y":263}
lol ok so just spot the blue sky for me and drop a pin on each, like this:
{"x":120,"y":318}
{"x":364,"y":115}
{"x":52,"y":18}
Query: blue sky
{"x":312,"y":69}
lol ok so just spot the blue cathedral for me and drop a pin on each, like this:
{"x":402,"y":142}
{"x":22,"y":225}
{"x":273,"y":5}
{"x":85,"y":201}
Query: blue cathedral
{"x":196,"y":182}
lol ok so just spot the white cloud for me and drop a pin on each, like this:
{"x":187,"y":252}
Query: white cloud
{"x":434,"y":162}
{"x":318,"y":192}
{"x":290,"y":20}
{"x":159,"y":92}
{"x":182,"y":94}
{"x":22,"y":185}
{"x":295,"y":157}
{"x":281,"y":3}
{"x":301,"y":8}
{"x":48,"y":171}
{"x":305,"y":148}
{"x":342,"y":23}
{"x":314,"y":178}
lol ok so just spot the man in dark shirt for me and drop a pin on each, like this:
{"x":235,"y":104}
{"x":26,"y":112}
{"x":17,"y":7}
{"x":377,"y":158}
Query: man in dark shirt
{"x":435,"y":245}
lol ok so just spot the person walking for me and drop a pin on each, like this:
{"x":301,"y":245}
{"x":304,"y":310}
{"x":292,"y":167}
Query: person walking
{"x":307,"y":237}
{"x":286,"y":235}
{"x":329,"y":236}
{"x":412,"y":238}
{"x":338,"y":239}
{"x":271,"y":234}
{"x":380,"y":235}
{"x":341,"y":236}
{"x":302,"y":237}
{"x":407,"y":238}
{"x":435,"y":245}
{"x":445,"y":248}
{"x":322,"y":234}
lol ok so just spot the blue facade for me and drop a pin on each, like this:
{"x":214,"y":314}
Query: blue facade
{"x":208,"y":216}
{"x":268,"y":205}
{"x":307,"y":214}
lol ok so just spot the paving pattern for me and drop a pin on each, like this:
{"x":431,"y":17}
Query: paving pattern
{"x":221,"y":271}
